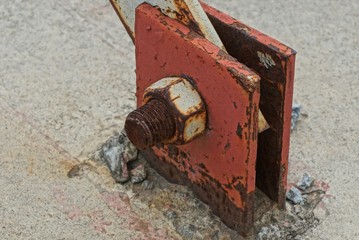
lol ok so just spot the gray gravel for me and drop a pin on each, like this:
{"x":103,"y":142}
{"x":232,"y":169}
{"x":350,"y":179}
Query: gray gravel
{"x":294,"y":195}
{"x":116,"y":153}
{"x":305,"y":182}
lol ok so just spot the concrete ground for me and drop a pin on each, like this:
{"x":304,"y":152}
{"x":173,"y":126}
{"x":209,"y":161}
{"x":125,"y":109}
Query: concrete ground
{"x":67,"y":82}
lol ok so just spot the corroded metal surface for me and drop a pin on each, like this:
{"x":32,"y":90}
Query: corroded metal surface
{"x":220,"y":164}
{"x":189,"y":12}
{"x":172,"y":111}
{"x":150,"y":124}
{"x":274,"y":62}
{"x":185,"y":105}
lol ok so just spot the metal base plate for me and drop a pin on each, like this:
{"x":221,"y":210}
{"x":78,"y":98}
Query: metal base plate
{"x":219,"y":165}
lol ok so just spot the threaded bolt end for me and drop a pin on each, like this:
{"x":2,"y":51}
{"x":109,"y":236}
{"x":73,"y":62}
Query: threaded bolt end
{"x":150,"y":124}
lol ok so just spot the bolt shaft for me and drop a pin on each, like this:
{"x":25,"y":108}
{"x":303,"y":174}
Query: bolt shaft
{"x":150,"y":124}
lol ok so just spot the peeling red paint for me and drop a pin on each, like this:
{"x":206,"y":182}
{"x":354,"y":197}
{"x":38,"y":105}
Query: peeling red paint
{"x":275,"y":63}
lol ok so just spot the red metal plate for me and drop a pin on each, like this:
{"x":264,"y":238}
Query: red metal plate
{"x":219,"y":165}
{"x":274,"y":62}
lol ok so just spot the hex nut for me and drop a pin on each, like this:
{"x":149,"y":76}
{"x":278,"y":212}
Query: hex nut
{"x":186,"y":105}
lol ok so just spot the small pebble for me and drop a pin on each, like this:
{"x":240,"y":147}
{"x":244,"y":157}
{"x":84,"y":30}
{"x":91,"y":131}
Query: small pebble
{"x":116,"y":153}
{"x":186,"y":231}
{"x":170,"y":214}
{"x":123,"y":175}
{"x":297,"y":209}
{"x":138,"y":174}
{"x":294,"y":195}
{"x":305,"y":182}
{"x":130,"y":152}
{"x":296,"y":108}
{"x":74,"y":171}
{"x":147,"y":185}
{"x":78,"y":170}
{"x":271,"y":232}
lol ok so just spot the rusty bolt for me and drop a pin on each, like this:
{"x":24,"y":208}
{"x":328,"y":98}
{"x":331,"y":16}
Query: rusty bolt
{"x":172,"y":112}
{"x":150,"y":124}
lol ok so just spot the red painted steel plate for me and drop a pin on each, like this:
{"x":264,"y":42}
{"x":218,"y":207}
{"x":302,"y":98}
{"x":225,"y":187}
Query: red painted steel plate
{"x":219,"y":165}
{"x":275,"y":63}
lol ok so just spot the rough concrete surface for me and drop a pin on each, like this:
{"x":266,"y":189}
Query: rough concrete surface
{"x":67,"y":82}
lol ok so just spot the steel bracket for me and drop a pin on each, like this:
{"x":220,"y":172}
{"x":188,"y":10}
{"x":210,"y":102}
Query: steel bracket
{"x":226,"y":163}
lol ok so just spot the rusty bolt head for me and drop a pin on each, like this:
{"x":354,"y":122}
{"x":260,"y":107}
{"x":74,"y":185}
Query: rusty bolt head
{"x":186,"y":106}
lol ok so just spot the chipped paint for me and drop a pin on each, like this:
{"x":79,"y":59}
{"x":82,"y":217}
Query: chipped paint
{"x":195,"y":126}
{"x":266,"y":60}
{"x":186,"y":106}
{"x":276,"y":96}
{"x":189,"y":12}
